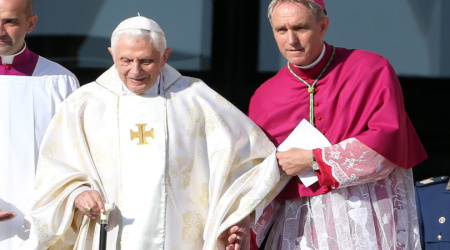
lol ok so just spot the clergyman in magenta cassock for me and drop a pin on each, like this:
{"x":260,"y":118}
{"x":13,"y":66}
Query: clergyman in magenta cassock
{"x":364,"y":196}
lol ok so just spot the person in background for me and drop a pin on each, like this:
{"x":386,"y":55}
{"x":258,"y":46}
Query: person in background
{"x":433,"y":202}
{"x":364,"y":196}
{"x":31,"y":89}
{"x":182,"y":165}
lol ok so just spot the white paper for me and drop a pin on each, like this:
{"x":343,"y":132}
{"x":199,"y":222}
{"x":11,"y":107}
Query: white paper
{"x":305,"y":136}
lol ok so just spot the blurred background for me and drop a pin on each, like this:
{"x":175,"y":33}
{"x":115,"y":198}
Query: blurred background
{"x":229,"y":45}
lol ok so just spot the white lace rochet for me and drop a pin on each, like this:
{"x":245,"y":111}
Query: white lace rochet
{"x":373,"y":207}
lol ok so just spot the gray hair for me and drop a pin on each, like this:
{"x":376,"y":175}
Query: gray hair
{"x":158,"y":39}
{"x":314,"y":8}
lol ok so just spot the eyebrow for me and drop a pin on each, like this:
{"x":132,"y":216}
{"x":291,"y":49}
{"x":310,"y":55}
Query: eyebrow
{"x":294,"y":26}
{"x":279,"y":27}
{"x":299,"y":25}
{"x":10,"y":19}
{"x":140,"y":60}
{"x":147,"y":60}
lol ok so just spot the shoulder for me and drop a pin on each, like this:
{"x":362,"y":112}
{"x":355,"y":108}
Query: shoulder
{"x":174,"y":82}
{"x":365,"y":70}
{"x":46,"y":67}
{"x":270,"y":85}
{"x":190,"y":85}
{"x":56,"y":75}
{"x":361,"y":58}
{"x":432,"y":182}
{"x":84,"y":93}
{"x":194,"y":91}
{"x":282,"y":73}
{"x":431,"y":189}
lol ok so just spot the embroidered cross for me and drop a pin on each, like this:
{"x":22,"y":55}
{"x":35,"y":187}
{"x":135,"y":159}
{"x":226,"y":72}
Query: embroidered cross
{"x":141,"y":134}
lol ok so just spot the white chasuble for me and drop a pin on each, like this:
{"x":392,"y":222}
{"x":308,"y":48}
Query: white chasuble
{"x":27,"y":104}
{"x":181,"y":166}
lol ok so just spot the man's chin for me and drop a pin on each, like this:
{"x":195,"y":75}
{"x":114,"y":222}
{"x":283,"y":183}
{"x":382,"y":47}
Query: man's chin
{"x":5,"y":50}
{"x":297,"y":62}
{"x":138,"y":89}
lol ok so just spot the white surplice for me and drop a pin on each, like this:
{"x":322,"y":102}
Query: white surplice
{"x":204,"y":168}
{"x":27,"y":103}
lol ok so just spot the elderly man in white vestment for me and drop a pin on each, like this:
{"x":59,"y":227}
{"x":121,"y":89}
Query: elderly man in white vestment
{"x":31,"y":88}
{"x":182,"y":165}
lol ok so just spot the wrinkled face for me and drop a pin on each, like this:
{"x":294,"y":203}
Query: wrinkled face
{"x":138,"y":62}
{"x":15,"y":23}
{"x":298,"y":34}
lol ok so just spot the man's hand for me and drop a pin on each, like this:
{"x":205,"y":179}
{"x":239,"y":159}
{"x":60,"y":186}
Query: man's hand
{"x":295,"y":161}
{"x":90,"y":203}
{"x":237,"y":237}
{"x":6,"y":215}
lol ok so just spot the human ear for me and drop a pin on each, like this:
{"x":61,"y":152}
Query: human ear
{"x":32,"y":20}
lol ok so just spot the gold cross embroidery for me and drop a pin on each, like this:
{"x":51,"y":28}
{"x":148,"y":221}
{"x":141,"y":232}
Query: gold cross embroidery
{"x":141,"y":134}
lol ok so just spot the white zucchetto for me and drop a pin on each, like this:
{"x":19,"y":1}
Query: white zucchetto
{"x":139,"y":22}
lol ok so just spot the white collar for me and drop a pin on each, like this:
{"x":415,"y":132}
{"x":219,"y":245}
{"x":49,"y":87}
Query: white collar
{"x":9,"y":59}
{"x":312,"y":65}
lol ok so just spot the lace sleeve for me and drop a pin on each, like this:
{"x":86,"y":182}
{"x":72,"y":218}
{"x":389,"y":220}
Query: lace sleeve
{"x":352,"y":162}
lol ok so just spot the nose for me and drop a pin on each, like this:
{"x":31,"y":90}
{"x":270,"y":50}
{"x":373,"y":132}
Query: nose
{"x":293,"y":39}
{"x":135,"y":68}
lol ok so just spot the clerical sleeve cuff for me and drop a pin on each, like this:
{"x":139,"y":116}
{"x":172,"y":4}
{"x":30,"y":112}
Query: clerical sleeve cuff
{"x":325,"y":175}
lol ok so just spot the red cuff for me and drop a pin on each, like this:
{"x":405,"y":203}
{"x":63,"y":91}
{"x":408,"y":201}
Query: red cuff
{"x":324,"y":174}
{"x":326,"y":183}
{"x":253,"y":244}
